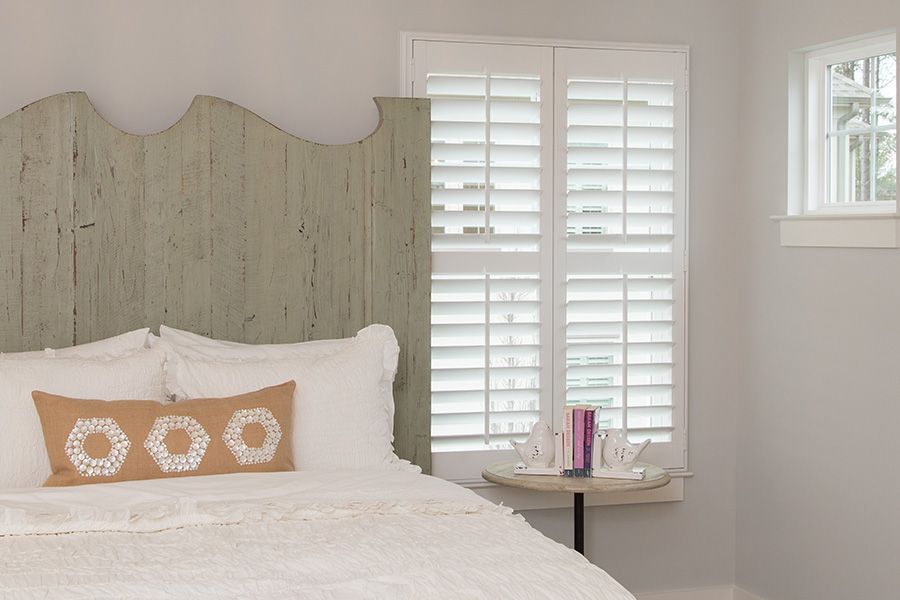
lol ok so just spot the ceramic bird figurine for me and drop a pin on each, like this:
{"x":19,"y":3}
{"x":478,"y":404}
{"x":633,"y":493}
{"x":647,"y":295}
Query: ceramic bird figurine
{"x":618,"y":453}
{"x":539,"y":449}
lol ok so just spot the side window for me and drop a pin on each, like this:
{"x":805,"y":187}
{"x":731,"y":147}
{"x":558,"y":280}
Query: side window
{"x":842,"y":146}
{"x":853,"y":126}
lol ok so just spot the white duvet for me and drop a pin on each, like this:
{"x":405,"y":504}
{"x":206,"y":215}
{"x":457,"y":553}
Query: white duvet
{"x":350,"y":534}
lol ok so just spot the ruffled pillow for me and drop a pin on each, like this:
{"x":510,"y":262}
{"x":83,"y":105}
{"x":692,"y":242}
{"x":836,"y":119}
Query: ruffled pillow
{"x":343,"y":405}
{"x":112,"y":347}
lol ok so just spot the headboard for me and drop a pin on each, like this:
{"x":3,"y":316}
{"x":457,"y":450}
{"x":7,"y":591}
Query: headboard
{"x":223,"y":225}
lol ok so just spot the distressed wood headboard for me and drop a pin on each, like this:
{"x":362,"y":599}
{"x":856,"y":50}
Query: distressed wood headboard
{"x":223,"y":225}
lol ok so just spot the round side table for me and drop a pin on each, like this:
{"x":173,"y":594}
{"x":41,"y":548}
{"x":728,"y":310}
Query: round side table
{"x":502,"y":473}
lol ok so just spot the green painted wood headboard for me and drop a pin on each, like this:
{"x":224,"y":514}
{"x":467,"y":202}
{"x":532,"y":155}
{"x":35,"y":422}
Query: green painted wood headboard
{"x":224,"y":225}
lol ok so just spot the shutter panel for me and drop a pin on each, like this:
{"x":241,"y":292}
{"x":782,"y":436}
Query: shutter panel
{"x":489,"y":282}
{"x":622,"y":264}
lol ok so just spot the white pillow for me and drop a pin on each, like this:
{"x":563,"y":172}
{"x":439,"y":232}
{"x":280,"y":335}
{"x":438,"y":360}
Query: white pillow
{"x":23,"y":455}
{"x":179,"y":343}
{"x":198,"y":346}
{"x":113,"y":347}
{"x":343,"y":406}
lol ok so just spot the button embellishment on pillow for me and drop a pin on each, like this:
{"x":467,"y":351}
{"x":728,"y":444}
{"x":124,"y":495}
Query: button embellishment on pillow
{"x":234,"y":435}
{"x":91,"y":466}
{"x":173,"y":463}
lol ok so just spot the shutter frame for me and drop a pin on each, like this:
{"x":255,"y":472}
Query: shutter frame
{"x":645,"y":236}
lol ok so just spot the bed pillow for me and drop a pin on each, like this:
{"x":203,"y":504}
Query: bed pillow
{"x":112,"y":347}
{"x":342,"y":419}
{"x":23,"y":457}
{"x":96,"y":441}
{"x":198,"y":346}
{"x":177,"y":343}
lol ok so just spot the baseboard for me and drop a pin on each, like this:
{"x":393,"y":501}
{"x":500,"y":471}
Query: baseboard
{"x":724,"y":593}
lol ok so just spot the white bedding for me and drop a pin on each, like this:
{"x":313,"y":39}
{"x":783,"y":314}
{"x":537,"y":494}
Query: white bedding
{"x":322,"y":534}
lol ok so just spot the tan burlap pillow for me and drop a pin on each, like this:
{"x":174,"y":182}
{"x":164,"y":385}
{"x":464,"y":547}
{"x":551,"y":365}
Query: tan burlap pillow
{"x":97,"y":441}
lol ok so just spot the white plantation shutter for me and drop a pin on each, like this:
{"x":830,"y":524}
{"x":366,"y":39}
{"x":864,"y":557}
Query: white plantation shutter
{"x":558,"y":215}
{"x":621,"y":211}
{"x":491,"y":148}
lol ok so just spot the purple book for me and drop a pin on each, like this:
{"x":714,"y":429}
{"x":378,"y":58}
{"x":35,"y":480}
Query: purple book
{"x":588,"y":442}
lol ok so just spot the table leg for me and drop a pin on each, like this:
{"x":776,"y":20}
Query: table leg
{"x":579,"y":522}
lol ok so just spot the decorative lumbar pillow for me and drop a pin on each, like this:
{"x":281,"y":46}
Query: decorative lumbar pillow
{"x":343,"y":406}
{"x":93,"y":441}
{"x":112,"y":347}
{"x":23,"y":456}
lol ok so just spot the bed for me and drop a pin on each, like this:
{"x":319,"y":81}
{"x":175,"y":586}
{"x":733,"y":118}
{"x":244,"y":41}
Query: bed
{"x":214,"y":369}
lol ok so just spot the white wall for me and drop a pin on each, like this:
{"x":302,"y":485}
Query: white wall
{"x":312,"y":67}
{"x":817,"y":494}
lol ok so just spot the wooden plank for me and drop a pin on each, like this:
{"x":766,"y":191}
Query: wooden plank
{"x":306,"y":218}
{"x":401,"y":264}
{"x":107,"y":190}
{"x":165,"y":229}
{"x":228,"y":220}
{"x":194,"y":132}
{"x":47,"y":254}
{"x":11,"y":234}
{"x":338,"y":286}
{"x":264,"y":187}
{"x":178,"y":245}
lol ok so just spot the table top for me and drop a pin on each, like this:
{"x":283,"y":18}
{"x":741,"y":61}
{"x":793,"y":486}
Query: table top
{"x":502,"y":473}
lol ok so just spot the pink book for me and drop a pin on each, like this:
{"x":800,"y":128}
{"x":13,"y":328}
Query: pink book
{"x":578,"y":441}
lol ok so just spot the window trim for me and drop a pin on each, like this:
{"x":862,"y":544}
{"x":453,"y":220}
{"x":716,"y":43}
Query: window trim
{"x":407,"y":72}
{"x":408,"y":37}
{"x":811,"y":222}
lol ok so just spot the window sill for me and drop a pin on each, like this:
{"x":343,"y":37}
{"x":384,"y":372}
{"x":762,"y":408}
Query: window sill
{"x":520,"y":499}
{"x":840,"y":231}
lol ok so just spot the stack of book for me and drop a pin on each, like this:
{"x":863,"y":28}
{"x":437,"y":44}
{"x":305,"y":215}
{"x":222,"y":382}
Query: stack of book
{"x":579,"y":449}
{"x":574,"y":446}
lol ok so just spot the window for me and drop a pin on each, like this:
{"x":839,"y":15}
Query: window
{"x":852,"y":121}
{"x":559,"y":243}
{"x":848,"y":161}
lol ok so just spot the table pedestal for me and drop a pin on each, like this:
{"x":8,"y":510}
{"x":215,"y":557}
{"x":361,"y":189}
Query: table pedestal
{"x":579,"y":522}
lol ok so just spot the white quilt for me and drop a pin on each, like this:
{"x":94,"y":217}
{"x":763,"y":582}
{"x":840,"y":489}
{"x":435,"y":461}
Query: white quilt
{"x":350,"y":534}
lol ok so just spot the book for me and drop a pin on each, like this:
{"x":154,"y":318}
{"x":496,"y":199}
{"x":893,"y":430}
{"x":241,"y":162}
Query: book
{"x":567,"y":440}
{"x":588,"y":441}
{"x":578,"y":441}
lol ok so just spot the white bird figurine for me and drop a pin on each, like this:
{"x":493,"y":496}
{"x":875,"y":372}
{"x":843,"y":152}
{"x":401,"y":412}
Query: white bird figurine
{"x":539,"y":449}
{"x":618,"y":453}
